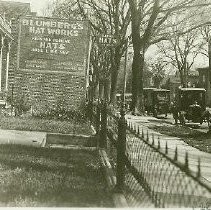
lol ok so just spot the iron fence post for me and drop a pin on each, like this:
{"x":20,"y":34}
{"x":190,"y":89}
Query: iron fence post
{"x":121,"y":147}
{"x":103,"y":130}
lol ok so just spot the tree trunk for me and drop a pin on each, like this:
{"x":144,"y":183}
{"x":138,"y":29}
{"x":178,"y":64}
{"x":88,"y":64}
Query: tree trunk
{"x":95,"y":91}
{"x":185,"y":77}
{"x":181,"y":73}
{"x":140,"y":98}
{"x":114,"y":75}
{"x":137,"y":82}
{"x":101,"y":89}
{"x":106,"y":90}
{"x":116,"y":62}
{"x":137,"y":67}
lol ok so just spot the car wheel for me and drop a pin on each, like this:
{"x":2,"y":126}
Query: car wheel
{"x":155,"y":113}
{"x":182,"y":119}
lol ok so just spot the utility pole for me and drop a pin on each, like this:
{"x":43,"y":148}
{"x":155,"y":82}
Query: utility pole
{"x":209,"y":54}
{"x":208,"y":75}
{"x":125,"y":72}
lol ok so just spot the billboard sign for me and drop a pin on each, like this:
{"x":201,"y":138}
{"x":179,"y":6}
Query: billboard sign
{"x":51,"y":44}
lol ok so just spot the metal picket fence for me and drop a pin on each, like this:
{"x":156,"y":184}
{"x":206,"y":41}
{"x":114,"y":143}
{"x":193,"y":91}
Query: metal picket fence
{"x":146,"y":174}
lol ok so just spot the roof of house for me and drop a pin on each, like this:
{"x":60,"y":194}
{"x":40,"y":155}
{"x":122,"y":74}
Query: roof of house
{"x":14,"y":9}
{"x":171,"y":79}
{"x":174,"y":78}
{"x":194,"y":89}
{"x":203,"y":69}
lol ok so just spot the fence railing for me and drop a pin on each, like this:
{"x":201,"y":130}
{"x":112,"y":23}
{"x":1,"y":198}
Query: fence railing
{"x":146,"y":173}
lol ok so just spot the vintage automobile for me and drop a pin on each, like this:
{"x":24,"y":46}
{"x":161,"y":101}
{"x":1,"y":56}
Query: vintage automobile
{"x":157,"y":101}
{"x":191,"y":105}
{"x":127,"y":100}
{"x":148,"y":99}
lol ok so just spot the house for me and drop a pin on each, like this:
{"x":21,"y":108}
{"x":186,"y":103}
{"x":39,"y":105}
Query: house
{"x":204,"y":82}
{"x":10,"y":13}
{"x":14,"y":10}
{"x":5,"y":44}
{"x":173,"y":82}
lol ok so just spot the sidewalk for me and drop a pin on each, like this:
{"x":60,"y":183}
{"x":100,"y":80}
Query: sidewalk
{"x":31,"y":138}
{"x":173,"y":142}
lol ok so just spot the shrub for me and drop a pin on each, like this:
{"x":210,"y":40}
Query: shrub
{"x":41,"y":109}
{"x":20,"y":104}
{"x":60,"y":111}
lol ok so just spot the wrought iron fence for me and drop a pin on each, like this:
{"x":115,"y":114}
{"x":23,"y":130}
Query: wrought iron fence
{"x":168,"y":182}
{"x":146,"y":173}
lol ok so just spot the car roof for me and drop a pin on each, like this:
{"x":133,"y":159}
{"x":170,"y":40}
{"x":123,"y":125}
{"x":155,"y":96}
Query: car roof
{"x":160,"y":90}
{"x":149,"y":88}
{"x":192,"y":89}
{"x":126,"y":94}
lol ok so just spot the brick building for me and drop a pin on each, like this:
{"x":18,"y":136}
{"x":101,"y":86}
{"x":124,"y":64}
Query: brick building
{"x":173,"y":82}
{"x":51,"y":83}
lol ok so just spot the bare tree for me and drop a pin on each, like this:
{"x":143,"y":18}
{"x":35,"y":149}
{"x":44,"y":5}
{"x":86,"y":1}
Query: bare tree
{"x":110,"y":17}
{"x":181,"y":50}
{"x":158,"y":70}
{"x":106,"y":18}
{"x":149,"y":26}
{"x":65,"y":9}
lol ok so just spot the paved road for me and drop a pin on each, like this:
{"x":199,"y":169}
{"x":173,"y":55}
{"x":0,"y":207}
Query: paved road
{"x":173,"y":142}
{"x":36,"y":139}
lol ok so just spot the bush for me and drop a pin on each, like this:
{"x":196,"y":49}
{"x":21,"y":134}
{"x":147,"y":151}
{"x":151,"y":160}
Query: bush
{"x":60,"y":111}
{"x":20,"y":103}
{"x":41,"y":109}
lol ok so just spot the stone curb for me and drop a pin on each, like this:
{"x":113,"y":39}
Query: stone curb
{"x":118,"y":198}
{"x":70,"y":135}
{"x":70,"y":139}
{"x":44,"y":141}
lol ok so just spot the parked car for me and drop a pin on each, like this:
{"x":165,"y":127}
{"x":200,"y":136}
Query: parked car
{"x":157,"y":101}
{"x":127,"y":100}
{"x":191,"y":105}
{"x":148,"y":99}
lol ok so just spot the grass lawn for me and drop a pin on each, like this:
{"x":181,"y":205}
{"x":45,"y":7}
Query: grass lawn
{"x":197,"y":139}
{"x":28,"y":123}
{"x":51,"y":177}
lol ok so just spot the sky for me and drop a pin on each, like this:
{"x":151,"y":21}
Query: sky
{"x":36,"y":5}
{"x":153,"y":53}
